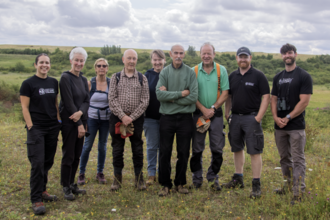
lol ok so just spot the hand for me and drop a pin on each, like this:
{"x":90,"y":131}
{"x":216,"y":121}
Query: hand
{"x":208,"y":113}
{"x":185,"y":93}
{"x":280,"y":123}
{"x":257,"y":119}
{"x":81,"y":131}
{"x":227,"y":116}
{"x":162,"y":88}
{"x":76,"y":116}
{"x":286,"y":120}
{"x":127,"y":120}
{"x":29,"y":127}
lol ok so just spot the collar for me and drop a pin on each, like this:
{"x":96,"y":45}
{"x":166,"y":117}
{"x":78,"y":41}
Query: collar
{"x":135,"y":74}
{"x":200,"y":67}
{"x":238,"y":71}
{"x":179,"y":66}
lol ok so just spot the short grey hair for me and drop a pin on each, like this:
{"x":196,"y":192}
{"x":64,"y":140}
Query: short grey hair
{"x":177,"y":45}
{"x":78,"y":50}
{"x":205,"y":44}
{"x":131,"y":50}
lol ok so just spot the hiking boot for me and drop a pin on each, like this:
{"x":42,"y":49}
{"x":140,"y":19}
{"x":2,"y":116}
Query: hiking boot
{"x":100,"y":178}
{"x":38,"y":208}
{"x":296,"y":200}
{"x":195,"y":186}
{"x":215,"y":186}
{"x":47,"y":197}
{"x":75,"y":190}
{"x":139,"y":183}
{"x":284,"y":190}
{"x":164,"y":191}
{"x":256,"y":191}
{"x":151,"y":180}
{"x":81,"y":179}
{"x":116,"y":182}
{"x":236,"y":181}
{"x":68,"y":195}
{"x":181,"y":189}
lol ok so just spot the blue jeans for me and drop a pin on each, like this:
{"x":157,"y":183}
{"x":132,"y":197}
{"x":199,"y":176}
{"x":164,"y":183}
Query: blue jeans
{"x":151,"y":131}
{"x":93,"y":126}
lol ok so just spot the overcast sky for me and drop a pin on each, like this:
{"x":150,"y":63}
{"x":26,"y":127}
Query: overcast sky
{"x":261,"y":25}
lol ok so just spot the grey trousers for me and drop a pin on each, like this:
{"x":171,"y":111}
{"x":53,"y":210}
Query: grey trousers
{"x":290,"y":145}
{"x":216,"y":142}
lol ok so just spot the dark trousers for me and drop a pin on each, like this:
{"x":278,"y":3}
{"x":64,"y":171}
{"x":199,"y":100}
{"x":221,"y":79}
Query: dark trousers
{"x":182,"y":126}
{"x":71,"y":151}
{"x":41,"y":148}
{"x":118,"y":145}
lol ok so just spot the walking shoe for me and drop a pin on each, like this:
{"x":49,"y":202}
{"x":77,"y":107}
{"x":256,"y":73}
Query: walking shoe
{"x":256,"y":191}
{"x":68,"y":195}
{"x":81,"y":179}
{"x":234,"y":182}
{"x":151,"y":180}
{"x":75,"y":190}
{"x":47,"y":197}
{"x":164,"y":191}
{"x":296,"y":199}
{"x":116,"y":182}
{"x":215,"y":186}
{"x":181,"y":189}
{"x":284,"y":190}
{"x":100,"y":178}
{"x":139,"y":183}
{"x":38,"y":208}
{"x":195,"y":186}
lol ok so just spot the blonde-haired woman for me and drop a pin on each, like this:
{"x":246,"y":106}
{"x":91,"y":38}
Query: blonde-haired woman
{"x":98,"y":120}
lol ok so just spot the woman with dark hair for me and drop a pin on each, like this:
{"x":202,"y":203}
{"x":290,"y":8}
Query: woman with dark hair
{"x":98,"y":120}
{"x":73,"y":110}
{"x":152,"y":115}
{"x":40,"y":111}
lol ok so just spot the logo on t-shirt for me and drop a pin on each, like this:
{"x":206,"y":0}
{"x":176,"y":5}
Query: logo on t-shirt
{"x":249,"y":84}
{"x":43,"y":91}
{"x":286,"y":80}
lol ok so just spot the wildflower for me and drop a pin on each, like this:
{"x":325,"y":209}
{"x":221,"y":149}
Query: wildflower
{"x":309,"y":192}
{"x":327,"y":198}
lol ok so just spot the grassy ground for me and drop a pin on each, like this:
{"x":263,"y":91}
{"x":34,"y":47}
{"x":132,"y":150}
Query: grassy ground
{"x":131,"y":204}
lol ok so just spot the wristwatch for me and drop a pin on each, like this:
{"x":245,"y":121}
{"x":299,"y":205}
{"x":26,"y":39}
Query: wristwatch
{"x":288,"y":117}
{"x":213,"y":107}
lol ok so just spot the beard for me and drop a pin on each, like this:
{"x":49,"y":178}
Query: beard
{"x":243,"y":64}
{"x":292,"y":59}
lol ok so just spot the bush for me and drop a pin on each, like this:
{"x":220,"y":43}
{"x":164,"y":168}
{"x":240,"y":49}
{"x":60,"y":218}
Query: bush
{"x":4,"y":72}
{"x":9,"y":92}
{"x":19,"y":67}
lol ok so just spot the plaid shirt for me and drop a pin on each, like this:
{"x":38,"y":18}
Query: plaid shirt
{"x":128,"y":96}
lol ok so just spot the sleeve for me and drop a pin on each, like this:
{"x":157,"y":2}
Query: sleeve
{"x":144,"y":102}
{"x":193,"y":89}
{"x":25,"y":89}
{"x":165,"y":96}
{"x":66,"y":96}
{"x":263,"y":84}
{"x":113,"y":98}
{"x":274,"y":89}
{"x":306,"y":85}
{"x":224,"y":79}
{"x":85,"y":105}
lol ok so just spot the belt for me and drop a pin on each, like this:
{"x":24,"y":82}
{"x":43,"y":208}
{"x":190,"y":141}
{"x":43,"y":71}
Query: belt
{"x":127,"y":113}
{"x":101,"y":109}
{"x":250,"y":113}
{"x":178,"y":114}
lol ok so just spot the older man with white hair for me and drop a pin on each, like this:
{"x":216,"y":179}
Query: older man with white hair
{"x":128,"y":100}
{"x":177,"y":91}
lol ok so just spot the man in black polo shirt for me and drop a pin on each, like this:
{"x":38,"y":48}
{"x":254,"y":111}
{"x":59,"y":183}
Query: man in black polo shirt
{"x":292,"y":89}
{"x":248,"y":100}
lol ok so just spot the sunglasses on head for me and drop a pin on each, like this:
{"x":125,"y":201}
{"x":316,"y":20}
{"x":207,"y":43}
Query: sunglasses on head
{"x":99,"y":66}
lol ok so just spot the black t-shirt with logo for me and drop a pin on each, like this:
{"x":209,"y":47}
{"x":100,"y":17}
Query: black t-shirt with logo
{"x":42,"y":94}
{"x":289,"y":85}
{"x":246,"y":90}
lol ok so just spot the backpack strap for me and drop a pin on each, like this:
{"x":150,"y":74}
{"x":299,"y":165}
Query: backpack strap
{"x":139,"y":74}
{"x":219,"y":79}
{"x":196,"y":71}
{"x":93,"y":86}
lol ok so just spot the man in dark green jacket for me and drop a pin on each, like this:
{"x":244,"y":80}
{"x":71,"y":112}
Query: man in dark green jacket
{"x":177,"y":91}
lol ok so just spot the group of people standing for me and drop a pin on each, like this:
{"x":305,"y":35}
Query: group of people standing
{"x":165,"y":102}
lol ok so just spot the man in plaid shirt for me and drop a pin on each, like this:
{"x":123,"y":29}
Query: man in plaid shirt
{"x":128,"y":100}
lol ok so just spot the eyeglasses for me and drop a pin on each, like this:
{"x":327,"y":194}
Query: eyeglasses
{"x":104,"y":66}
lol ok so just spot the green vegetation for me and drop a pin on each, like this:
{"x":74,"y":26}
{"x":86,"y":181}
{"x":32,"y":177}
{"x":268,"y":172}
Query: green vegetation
{"x":106,"y":50}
